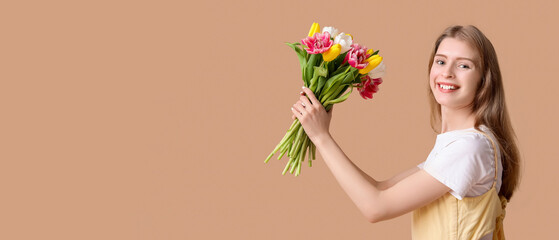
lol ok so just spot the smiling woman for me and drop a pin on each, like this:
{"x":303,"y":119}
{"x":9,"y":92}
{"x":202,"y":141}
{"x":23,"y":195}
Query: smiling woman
{"x":461,"y":190}
{"x":465,"y":89}
{"x":454,"y":76}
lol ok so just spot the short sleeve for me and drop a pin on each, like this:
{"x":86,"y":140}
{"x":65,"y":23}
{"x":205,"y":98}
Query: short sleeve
{"x":460,"y":164}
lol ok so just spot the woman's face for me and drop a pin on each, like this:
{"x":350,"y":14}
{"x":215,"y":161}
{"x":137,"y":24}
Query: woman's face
{"x":454,"y":76}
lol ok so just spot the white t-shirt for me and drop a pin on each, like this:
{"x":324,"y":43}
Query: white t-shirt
{"x":464,"y":161}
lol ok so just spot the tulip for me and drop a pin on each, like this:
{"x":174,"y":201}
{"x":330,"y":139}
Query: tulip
{"x":357,"y":56}
{"x":333,"y":31}
{"x":315,"y":28}
{"x":345,"y":41}
{"x":318,"y":43}
{"x":332,"y":53}
{"x":378,"y":72}
{"x":374,"y":61}
{"x":368,"y":87}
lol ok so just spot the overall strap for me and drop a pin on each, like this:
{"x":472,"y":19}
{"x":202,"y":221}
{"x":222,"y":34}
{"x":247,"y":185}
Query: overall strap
{"x":498,"y":233}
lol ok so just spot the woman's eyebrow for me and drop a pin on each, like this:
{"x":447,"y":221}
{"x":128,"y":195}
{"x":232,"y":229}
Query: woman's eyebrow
{"x":459,"y":58}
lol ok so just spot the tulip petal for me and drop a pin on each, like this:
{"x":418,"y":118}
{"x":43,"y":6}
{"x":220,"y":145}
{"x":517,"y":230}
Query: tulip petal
{"x":332,"y":53}
{"x":314,"y":29}
{"x":374,"y":61}
{"x":378,"y":72}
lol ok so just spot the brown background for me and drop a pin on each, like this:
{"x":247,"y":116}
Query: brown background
{"x":151,"y":119}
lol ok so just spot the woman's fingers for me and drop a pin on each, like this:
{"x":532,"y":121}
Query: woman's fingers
{"x":299,"y":108}
{"x":296,"y":113}
{"x":311,"y":114}
{"x":311,"y":96}
{"x":294,"y":110}
{"x":305,"y":102}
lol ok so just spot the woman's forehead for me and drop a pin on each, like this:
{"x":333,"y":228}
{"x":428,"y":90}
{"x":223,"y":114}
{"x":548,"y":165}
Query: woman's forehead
{"x":456,"y":48}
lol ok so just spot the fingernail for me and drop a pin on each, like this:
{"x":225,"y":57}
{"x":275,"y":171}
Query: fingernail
{"x":301,"y":92}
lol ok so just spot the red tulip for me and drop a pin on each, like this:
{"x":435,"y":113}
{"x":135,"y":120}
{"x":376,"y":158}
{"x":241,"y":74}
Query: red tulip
{"x":368,"y":86}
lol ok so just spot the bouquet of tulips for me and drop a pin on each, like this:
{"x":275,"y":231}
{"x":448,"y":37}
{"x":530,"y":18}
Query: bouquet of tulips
{"x":331,"y":65}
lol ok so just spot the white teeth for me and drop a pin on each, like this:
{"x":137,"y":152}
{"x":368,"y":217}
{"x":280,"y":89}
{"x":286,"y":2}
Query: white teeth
{"x":447,"y":87}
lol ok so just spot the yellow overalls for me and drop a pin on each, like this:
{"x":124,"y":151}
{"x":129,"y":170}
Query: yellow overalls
{"x":468,"y":219}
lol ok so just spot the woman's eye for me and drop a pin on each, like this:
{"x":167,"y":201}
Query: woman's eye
{"x":464,"y":66}
{"x":440,"y":62}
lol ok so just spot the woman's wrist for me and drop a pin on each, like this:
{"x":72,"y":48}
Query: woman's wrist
{"x":322,"y":139}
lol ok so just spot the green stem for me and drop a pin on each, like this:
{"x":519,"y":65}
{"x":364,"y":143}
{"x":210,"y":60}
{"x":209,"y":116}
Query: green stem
{"x":302,"y":155}
{"x":297,"y":142}
{"x":287,"y":166}
{"x":284,"y":140}
{"x":312,"y":153}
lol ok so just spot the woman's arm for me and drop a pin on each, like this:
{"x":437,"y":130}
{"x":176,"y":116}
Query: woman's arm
{"x":376,"y":203}
{"x":383,"y":185}
{"x":376,"y":200}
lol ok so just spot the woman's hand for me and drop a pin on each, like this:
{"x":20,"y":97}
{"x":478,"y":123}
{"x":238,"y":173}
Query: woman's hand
{"x":312,"y":115}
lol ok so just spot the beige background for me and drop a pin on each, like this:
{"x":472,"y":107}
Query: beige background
{"x":151,"y":119}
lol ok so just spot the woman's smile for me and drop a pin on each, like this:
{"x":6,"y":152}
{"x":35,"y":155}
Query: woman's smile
{"x":447,"y":87}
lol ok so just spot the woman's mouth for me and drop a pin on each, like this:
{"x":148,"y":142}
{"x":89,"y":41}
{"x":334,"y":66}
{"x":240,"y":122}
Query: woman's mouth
{"x":446,"y":88}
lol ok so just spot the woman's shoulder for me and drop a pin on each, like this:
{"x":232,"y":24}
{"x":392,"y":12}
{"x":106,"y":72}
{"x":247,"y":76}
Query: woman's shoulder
{"x":470,"y":139}
{"x":463,"y":159}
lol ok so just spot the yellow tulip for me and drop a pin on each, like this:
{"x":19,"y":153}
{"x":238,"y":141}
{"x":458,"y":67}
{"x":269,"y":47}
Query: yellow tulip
{"x":314,"y":29}
{"x":374,"y":61}
{"x":332,"y":53}
{"x":349,"y":35}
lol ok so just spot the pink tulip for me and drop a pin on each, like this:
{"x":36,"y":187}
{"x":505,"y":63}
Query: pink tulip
{"x":368,"y":86}
{"x":318,"y":43}
{"x":357,"y":56}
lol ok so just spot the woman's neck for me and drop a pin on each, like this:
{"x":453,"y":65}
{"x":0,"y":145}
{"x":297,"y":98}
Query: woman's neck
{"x":456,"y":119}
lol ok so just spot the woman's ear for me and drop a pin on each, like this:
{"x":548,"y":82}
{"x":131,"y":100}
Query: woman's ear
{"x":484,"y":80}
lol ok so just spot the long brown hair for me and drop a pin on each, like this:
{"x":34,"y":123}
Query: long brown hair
{"x":489,"y":103}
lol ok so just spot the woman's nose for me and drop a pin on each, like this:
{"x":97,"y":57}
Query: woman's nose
{"x":447,"y":72}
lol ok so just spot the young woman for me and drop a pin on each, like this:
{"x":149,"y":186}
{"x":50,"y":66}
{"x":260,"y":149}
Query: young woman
{"x":461,"y":190}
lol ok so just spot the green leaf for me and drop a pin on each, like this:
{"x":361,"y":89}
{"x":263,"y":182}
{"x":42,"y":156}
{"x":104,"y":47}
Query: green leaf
{"x":351,"y":76}
{"x":329,"y":92}
{"x":301,"y":54}
{"x":320,"y":71}
{"x":335,"y":92}
{"x":332,"y":80}
{"x":321,"y":82}
{"x":338,"y":61}
{"x":346,"y":67}
{"x":313,"y":83}
{"x":313,"y":61}
{"x":340,"y":99}
{"x":304,"y":73}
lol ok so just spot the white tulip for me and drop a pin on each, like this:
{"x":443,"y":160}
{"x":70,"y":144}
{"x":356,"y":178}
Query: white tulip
{"x":378,"y":72}
{"x":344,"y":40}
{"x":333,"y":31}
